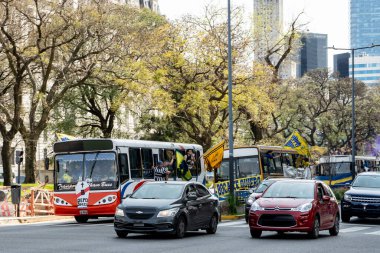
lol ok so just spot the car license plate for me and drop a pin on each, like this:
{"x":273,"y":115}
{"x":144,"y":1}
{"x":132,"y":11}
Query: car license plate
{"x":83,"y":212}
{"x":138,"y":224}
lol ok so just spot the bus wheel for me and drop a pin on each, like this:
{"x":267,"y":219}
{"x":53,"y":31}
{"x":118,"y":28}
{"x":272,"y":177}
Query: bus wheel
{"x":81,"y":219}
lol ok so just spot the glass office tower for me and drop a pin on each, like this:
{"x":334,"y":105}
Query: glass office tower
{"x":365,"y":24}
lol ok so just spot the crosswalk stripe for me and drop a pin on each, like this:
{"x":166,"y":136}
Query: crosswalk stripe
{"x":240,"y":226}
{"x":373,"y":233}
{"x":231,"y":223}
{"x":353,"y":229}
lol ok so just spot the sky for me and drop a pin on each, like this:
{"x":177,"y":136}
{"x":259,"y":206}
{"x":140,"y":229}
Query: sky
{"x":322,"y":16}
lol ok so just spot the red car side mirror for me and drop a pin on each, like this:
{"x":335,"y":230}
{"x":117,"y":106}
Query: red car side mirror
{"x":258,"y":196}
{"x":326,"y":198}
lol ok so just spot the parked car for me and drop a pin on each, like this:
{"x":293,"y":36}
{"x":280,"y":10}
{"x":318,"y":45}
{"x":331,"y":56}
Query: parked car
{"x":257,"y":192}
{"x":170,"y":207}
{"x":363,"y":197}
{"x":295,"y":205}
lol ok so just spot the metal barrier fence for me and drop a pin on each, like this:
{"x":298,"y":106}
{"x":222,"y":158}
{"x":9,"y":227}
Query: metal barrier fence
{"x":34,"y":202}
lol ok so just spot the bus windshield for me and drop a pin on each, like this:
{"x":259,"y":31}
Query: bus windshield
{"x":97,"y":169}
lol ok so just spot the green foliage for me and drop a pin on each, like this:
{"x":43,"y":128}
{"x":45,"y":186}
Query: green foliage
{"x":232,"y":204}
{"x":339,"y":193}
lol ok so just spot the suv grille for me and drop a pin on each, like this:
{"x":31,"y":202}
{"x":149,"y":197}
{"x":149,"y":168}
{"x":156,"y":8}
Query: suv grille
{"x":277,"y":220}
{"x":366,"y":199}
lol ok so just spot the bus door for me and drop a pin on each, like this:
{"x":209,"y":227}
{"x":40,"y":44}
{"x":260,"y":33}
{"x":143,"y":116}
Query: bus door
{"x":123,"y":163}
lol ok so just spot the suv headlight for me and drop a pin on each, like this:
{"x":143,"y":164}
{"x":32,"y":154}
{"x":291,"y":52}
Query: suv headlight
{"x":119,"y":212}
{"x":303,"y":208}
{"x":250,"y":201}
{"x":347,"y":197}
{"x":168,"y":213}
{"x":256,"y":207}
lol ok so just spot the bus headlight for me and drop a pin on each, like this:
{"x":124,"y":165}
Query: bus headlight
{"x":119,"y":212}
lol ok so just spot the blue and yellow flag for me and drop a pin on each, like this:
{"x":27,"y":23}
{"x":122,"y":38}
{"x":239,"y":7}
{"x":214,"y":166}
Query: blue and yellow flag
{"x":64,"y":137}
{"x":182,"y":169}
{"x":298,"y":143}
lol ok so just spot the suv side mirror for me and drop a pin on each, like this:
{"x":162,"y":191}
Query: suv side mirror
{"x":192,"y":196}
{"x":326,"y":198}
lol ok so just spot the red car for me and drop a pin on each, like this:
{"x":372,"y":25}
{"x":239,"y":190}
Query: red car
{"x":295,"y":205}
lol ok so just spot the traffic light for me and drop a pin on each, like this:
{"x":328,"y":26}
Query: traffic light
{"x":19,"y":156}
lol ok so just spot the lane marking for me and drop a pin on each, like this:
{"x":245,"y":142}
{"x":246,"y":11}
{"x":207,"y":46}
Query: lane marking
{"x":231,"y":223}
{"x":241,"y":226}
{"x":353,"y":229}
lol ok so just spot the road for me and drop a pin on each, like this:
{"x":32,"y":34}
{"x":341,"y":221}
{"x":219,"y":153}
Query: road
{"x":234,"y":236}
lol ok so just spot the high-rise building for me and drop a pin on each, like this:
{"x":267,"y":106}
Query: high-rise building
{"x":367,"y":69}
{"x":341,"y":63}
{"x":313,"y":53}
{"x":268,"y":24}
{"x":150,"y":4}
{"x":365,"y":25}
{"x":365,"y":31}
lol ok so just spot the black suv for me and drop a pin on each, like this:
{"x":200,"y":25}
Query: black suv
{"x":171,"y":207}
{"x":363,"y":198}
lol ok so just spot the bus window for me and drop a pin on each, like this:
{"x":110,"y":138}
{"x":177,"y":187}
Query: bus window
{"x":123,"y":167}
{"x":248,"y":166}
{"x":277,"y":163}
{"x":135,"y":162}
{"x":191,"y":160}
{"x":147,"y":159}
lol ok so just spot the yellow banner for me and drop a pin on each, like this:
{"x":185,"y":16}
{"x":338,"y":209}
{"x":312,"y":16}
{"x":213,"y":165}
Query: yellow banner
{"x":298,"y":143}
{"x":214,"y":156}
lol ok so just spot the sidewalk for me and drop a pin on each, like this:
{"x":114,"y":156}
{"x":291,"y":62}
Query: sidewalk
{"x":33,"y":219}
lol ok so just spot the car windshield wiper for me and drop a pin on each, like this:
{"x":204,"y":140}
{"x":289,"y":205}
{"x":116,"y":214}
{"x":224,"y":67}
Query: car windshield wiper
{"x":149,"y":198}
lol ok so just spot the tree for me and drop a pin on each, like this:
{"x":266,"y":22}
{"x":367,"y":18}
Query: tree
{"x":60,"y":42}
{"x":121,"y":81}
{"x":192,"y":76}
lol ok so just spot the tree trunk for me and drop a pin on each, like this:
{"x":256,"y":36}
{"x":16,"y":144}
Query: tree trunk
{"x":258,"y":132}
{"x":6,"y":153}
{"x":30,"y":159}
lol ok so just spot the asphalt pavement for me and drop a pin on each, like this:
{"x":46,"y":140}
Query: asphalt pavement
{"x":232,"y":236}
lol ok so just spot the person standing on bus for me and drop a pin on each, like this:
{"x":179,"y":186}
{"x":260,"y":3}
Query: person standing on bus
{"x":160,"y":172}
{"x":190,"y":159}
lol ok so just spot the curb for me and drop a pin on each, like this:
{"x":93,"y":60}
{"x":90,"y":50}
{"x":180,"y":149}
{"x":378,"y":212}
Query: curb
{"x":232,"y":217}
{"x":35,"y":219}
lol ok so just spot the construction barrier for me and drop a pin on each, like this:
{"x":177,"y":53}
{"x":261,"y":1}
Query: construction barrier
{"x":37,"y":202}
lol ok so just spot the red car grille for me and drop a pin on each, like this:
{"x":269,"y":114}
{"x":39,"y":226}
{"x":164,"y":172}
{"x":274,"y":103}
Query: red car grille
{"x":276,"y":220}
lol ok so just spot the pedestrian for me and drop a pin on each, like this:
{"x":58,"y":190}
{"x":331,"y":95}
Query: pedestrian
{"x":160,"y":172}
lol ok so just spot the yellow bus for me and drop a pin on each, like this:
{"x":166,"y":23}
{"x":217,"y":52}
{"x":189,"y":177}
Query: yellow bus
{"x":254,"y":164}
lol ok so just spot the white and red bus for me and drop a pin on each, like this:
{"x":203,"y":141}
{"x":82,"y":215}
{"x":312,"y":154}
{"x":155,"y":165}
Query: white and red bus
{"x":91,"y":176}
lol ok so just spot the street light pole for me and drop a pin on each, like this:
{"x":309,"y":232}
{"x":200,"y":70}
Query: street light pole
{"x":230,"y":118}
{"x":353,"y":98}
{"x":353,"y":113}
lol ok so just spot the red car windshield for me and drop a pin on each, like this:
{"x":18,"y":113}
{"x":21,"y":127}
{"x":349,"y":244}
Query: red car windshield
{"x":290,"y":189}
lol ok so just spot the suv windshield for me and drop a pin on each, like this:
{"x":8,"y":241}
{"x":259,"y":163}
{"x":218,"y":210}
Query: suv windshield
{"x":290,"y":190}
{"x":159,"y":191}
{"x":98,"y":169}
{"x":368,"y":181}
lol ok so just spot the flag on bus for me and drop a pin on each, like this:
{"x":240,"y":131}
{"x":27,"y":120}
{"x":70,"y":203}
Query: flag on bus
{"x":64,"y":137}
{"x":298,"y":143}
{"x":214,"y":156}
{"x":182,"y":168}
